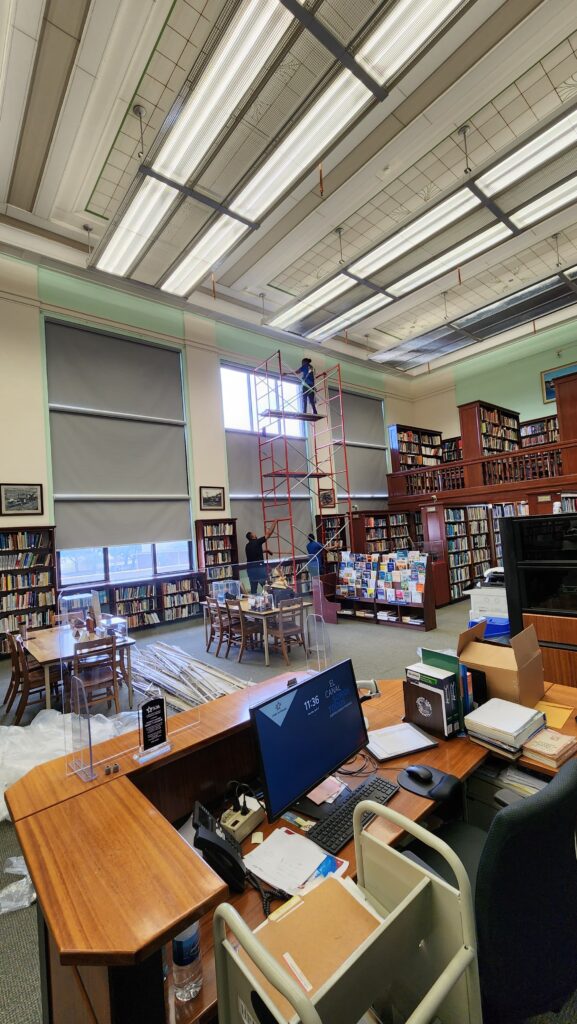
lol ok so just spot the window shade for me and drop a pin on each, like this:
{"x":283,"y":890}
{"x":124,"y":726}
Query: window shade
{"x":243,"y":463}
{"x":122,"y":437}
{"x":363,"y":418}
{"x":248,"y":513}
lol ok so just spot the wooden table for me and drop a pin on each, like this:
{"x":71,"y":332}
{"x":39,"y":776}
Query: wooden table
{"x":55,"y":645}
{"x":115,"y":881}
{"x":261,"y":616}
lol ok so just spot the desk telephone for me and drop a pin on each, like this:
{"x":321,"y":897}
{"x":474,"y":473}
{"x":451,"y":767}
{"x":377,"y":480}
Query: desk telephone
{"x":220,"y":852}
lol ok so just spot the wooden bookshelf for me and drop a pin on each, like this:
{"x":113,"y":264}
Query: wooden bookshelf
{"x":180,"y":598}
{"x":504,"y":510}
{"x":27,"y":579}
{"x":419,"y":534}
{"x":540,"y":431}
{"x":332,"y":531}
{"x":488,"y":430}
{"x":480,"y":540}
{"x":452,"y":449}
{"x":217,"y":548}
{"x":462,"y":537}
{"x":411,"y":447}
{"x":380,"y":532}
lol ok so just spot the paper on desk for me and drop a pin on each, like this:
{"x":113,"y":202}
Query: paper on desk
{"x":557,"y":714}
{"x":285,"y":860}
{"x":395,"y":740}
{"x":326,"y":791}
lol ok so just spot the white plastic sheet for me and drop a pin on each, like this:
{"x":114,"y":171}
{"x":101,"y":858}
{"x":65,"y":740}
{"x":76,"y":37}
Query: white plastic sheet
{"x":24,"y":747}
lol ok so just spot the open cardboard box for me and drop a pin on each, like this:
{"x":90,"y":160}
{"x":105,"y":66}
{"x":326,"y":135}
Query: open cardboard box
{"x":512,"y":673}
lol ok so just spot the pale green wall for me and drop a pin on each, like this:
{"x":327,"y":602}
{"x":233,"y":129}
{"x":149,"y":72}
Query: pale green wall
{"x":511,"y":376}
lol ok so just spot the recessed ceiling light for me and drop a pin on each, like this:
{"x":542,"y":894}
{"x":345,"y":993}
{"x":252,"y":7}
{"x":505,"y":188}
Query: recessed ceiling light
{"x":328,"y":291}
{"x":451,"y":259}
{"x":420,"y":229}
{"x":532,"y":154}
{"x":352,"y":316}
{"x":546,"y":204}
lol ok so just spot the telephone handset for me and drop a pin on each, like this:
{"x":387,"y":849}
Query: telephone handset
{"x":220,"y":852}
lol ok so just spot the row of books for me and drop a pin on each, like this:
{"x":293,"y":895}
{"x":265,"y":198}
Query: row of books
{"x":129,"y":593}
{"x":178,"y":600}
{"x":179,"y":587}
{"x":218,"y":529}
{"x":24,"y":560}
{"x":29,"y":599}
{"x":220,"y":544}
{"x":23,"y":539}
{"x":24,"y":580}
{"x":489,"y":415}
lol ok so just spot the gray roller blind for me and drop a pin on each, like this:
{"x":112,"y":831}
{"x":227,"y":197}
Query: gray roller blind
{"x":248,"y":513}
{"x":118,"y":439}
{"x":90,"y":370}
{"x":363,"y":418}
{"x":243,"y":463}
{"x":367,"y":470}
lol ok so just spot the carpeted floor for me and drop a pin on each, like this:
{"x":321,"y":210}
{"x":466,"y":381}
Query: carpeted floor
{"x":376,"y":651}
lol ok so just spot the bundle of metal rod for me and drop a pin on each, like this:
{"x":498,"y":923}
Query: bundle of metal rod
{"x":184,"y":681}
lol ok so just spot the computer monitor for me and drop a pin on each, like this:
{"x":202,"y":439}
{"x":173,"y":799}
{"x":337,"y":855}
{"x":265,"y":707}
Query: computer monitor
{"x":305,"y":732}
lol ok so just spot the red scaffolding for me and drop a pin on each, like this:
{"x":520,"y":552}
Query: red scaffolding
{"x":295,"y":459}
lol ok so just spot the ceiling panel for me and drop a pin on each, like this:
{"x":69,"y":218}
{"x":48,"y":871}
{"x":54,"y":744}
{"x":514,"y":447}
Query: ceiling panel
{"x":189,"y":218}
{"x":517,"y":109}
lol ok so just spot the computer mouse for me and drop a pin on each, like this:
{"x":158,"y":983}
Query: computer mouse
{"x":420,"y":772}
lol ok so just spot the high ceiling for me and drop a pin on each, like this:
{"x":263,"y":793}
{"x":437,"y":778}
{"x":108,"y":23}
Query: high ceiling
{"x":366,"y":175}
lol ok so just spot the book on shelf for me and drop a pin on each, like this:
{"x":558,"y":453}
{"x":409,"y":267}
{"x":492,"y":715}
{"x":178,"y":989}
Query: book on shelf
{"x":550,"y":747}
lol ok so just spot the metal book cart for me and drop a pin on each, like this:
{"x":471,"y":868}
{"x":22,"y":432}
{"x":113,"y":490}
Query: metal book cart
{"x":417,"y":965}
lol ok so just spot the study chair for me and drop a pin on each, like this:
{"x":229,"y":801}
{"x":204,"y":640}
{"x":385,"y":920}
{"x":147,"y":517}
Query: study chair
{"x":523,"y":874}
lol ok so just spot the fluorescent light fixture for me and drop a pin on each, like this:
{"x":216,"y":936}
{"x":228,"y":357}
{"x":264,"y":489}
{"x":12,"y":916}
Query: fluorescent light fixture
{"x":352,"y":316}
{"x":502,"y":305}
{"x":328,"y":291}
{"x":212,"y":246}
{"x":420,"y":229}
{"x":335,"y":108}
{"x":454,"y":258}
{"x":251,"y":37}
{"x":401,"y":34}
{"x":248,"y":42}
{"x":546,"y":204}
{"x":144,"y":214}
{"x":527,"y":158}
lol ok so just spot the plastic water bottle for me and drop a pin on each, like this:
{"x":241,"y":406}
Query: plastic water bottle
{"x":187,"y":963}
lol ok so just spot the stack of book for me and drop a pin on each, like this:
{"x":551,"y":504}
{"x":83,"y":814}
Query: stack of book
{"x":550,"y":748}
{"x":504,"y":727}
{"x":431,"y":699}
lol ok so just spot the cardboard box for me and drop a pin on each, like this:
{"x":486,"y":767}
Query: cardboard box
{"x":513,"y":673}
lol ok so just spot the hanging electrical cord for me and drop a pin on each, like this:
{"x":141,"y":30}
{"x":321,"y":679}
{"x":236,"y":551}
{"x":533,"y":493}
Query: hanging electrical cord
{"x":139,"y":111}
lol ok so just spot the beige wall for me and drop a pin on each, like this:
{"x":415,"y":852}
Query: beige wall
{"x":23,"y":416}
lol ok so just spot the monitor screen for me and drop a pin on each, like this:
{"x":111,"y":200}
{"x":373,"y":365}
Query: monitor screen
{"x":306,"y":732}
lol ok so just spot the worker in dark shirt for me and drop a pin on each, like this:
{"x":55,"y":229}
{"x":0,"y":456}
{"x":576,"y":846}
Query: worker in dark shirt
{"x":307,"y":375}
{"x":256,"y":567}
{"x":315,"y":550}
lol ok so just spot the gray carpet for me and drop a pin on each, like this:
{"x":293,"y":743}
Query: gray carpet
{"x":376,"y":651}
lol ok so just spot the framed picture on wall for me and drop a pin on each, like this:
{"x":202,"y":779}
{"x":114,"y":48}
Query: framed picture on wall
{"x":21,"y":500}
{"x":548,"y":378}
{"x":211,"y":499}
{"x":327,"y":498}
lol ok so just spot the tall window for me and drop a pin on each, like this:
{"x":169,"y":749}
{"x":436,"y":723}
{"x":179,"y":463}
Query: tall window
{"x":240,"y":403}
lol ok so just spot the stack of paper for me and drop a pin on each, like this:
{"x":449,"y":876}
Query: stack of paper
{"x":503,"y":726}
{"x":292,"y":862}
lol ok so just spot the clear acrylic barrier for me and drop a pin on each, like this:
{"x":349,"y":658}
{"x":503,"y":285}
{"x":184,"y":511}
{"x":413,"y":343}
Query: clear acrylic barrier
{"x":92,"y":648}
{"x":318,"y":641}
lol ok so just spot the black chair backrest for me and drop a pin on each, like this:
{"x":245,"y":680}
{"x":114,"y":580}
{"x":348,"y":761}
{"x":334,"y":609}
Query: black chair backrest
{"x":526,"y":904}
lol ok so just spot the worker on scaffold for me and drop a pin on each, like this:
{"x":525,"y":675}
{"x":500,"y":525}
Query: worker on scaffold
{"x":307,"y":375}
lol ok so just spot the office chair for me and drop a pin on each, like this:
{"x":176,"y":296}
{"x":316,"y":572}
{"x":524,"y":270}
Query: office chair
{"x":524,"y":877}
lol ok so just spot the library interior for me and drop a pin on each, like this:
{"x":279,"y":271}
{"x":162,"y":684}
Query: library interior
{"x":288,"y":511}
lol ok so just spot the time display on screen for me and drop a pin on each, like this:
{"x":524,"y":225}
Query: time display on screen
{"x":311,"y":704}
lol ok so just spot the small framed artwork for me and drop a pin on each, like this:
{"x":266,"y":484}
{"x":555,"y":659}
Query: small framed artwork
{"x":211,"y":499}
{"x":327,"y":498}
{"x":548,"y":378}
{"x":21,"y":500}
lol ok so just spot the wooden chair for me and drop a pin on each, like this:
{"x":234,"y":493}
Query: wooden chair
{"x":12,"y":688}
{"x":288,"y":625}
{"x":242,"y":630}
{"x":95,"y":663}
{"x":218,"y":620}
{"x":28,"y":682}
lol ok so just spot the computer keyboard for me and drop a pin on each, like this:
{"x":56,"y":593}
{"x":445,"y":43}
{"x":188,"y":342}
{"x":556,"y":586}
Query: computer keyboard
{"x":335,"y":831}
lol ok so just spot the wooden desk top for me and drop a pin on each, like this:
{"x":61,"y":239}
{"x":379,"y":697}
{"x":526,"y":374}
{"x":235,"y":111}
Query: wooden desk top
{"x":57,"y":644}
{"x":116,"y":881}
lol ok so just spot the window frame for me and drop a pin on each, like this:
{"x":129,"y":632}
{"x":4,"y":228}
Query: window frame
{"x":108,"y":580}
{"x":284,"y":428}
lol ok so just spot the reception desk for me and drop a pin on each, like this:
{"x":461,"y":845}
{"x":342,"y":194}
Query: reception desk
{"x":115,"y":880}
